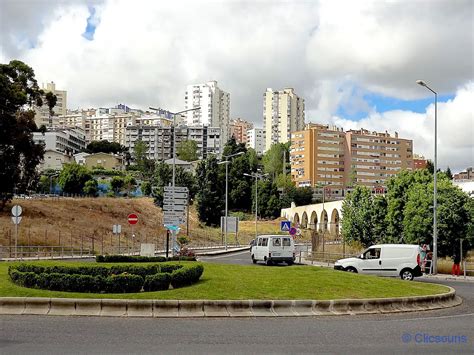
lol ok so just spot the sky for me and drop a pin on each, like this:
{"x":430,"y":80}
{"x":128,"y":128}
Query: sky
{"x":355,"y":62}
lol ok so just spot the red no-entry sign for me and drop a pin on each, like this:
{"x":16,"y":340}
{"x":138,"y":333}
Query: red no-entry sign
{"x":132,"y":218}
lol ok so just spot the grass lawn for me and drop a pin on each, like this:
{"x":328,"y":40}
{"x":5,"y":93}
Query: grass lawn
{"x":236,"y":282}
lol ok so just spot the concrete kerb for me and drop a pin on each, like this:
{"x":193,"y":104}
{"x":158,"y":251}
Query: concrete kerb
{"x":222,"y":308}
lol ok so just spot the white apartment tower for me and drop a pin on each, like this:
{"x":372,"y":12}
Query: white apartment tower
{"x":42,"y":116}
{"x":283,"y":113}
{"x":256,"y":140}
{"x":214,"y":104}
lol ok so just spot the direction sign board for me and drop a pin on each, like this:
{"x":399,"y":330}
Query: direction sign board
{"x":181,"y":208}
{"x":117,"y":229}
{"x":176,"y":214}
{"x":16,"y":219}
{"x":169,"y":201}
{"x":16,"y":211}
{"x":285,"y":226}
{"x":132,"y":218}
{"x":177,"y":195}
{"x":175,"y":189}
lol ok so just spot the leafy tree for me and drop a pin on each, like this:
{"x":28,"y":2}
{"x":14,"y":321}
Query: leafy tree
{"x":73,"y":178}
{"x":19,"y":155}
{"x":187,"y":150}
{"x":302,"y":196}
{"x":43,"y":184}
{"x":144,"y":165}
{"x":210,"y":197}
{"x":117,"y":184}
{"x":357,"y":218}
{"x":51,"y":100}
{"x":269,"y":204}
{"x":231,"y":147}
{"x":91,"y":188}
{"x":430,"y":166}
{"x":449,"y":174}
{"x":273,"y":159}
{"x":379,"y":222}
{"x":146,"y":188}
{"x":129,"y":183}
{"x":105,"y":147}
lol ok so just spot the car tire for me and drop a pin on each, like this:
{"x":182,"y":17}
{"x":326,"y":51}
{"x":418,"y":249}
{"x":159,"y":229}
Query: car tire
{"x":268,"y":262}
{"x":407,"y":274}
{"x":290,"y":262}
{"x":351,"y":269}
{"x":253,"y":260}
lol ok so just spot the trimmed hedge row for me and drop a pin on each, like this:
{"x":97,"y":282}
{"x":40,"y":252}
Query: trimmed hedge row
{"x":117,"y":279}
{"x":140,"y":259}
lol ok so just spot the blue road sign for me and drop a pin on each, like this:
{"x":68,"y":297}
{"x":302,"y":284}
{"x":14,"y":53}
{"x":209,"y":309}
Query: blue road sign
{"x":293,"y":231}
{"x":285,"y":226}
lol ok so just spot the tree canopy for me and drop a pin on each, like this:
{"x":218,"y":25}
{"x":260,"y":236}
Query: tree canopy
{"x":105,"y":147}
{"x":187,"y":150}
{"x":73,"y":178}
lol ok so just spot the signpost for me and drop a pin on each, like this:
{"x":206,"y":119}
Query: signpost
{"x":285,"y":226}
{"x":132,"y":220}
{"x":117,"y":229}
{"x":175,"y":205}
{"x":16,"y":219}
{"x":293,"y":231}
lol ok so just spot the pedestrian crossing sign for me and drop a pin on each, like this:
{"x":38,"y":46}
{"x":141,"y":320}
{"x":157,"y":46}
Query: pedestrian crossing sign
{"x":285,"y":226}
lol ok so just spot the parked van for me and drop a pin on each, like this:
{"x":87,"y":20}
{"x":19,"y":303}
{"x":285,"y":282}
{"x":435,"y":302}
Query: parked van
{"x":273,"y":249}
{"x":385,"y":260}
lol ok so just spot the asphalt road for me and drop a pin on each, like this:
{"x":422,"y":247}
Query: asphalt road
{"x":442,"y":331}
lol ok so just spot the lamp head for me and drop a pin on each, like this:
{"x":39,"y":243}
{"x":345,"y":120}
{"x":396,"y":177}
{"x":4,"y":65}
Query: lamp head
{"x":421,"y":82}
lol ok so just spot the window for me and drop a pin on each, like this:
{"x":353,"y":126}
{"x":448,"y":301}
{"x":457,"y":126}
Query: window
{"x":286,"y":242}
{"x":372,"y":253}
{"x":264,"y":242}
{"x":277,"y":242}
{"x":259,"y":242}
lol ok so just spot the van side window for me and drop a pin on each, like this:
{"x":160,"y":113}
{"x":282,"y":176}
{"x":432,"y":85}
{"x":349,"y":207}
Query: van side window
{"x":286,"y":242}
{"x":264,"y":242}
{"x":277,"y":242}
{"x":372,"y":253}
{"x":259,"y":242}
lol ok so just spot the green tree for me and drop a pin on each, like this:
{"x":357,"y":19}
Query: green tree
{"x":91,"y":188}
{"x":117,"y":183}
{"x":51,"y":100}
{"x":449,"y":174}
{"x":430,"y":166}
{"x":129,"y":184}
{"x":105,"y":147}
{"x":146,"y":188}
{"x":210,"y":197}
{"x":19,"y":155}
{"x":187,"y":150}
{"x":73,"y":178}
{"x":273,"y":159}
{"x":232,"y":147}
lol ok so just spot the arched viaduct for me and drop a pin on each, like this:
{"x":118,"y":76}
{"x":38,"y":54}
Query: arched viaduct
{"x":322,"y":217}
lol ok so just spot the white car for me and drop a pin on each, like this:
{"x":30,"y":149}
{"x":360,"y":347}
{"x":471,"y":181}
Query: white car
{"x":385,"y":260}
{"x":273,"y":249}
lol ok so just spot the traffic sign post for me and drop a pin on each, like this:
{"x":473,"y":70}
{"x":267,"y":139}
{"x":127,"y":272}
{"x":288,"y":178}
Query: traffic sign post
{"x":285,"y":226}
{"x":293,"y":231}
{"x":132,"y":220}
{"x":117,"y":230}
{"x":16,"y":219}
{"x":175,"y":205}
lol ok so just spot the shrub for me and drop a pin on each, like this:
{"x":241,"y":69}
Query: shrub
{"x":123,"y":283}
{"x":157,"y":282}
{"x":169,"y":268}
{"x":182,"y":258}
{"x":186,"y":275}
{"x":129,"y":258}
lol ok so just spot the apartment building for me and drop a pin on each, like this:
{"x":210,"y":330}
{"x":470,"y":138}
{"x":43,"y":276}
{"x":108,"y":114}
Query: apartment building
{"x":317,"y":156}
{"x":214,"y":106}
{"x":283,"y":113}
{"x":42,"y":116}
{"x":467,"y":175}
{"x":419,"y":162}
{"x":108,"y":127}
{"x":256,"y":140}
{"x":66,"y":140}
{"x":159,"y":140}
{"x":239,"y":129}
{"x":324,"y":155}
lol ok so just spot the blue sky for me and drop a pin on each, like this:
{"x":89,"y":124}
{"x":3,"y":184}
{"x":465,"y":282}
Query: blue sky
{"x":380,"y":103}
{"x":91,"y":25}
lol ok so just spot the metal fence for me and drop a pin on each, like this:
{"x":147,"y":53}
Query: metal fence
{"x":43,"y":252}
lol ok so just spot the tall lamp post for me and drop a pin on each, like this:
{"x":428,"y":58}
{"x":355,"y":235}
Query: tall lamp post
{"x":435,"y":229}
{"x":226,"y":162}
{"x":256,"y":176}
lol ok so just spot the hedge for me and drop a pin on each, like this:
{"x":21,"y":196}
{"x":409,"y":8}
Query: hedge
{"x":116,"y":279}
{"x":140,"y":259}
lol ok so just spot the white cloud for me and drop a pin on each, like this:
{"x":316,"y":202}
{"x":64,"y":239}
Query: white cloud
{"x":144,"y":53}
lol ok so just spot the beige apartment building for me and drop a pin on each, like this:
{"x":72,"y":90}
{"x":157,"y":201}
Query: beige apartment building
{"x":42,"y":116}
{"x":283,"y":113}
{"x":324,"y":155}
{"x":239,"y":128}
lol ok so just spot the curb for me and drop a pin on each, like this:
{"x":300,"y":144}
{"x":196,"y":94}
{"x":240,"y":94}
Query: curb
{"x":222,"y":308}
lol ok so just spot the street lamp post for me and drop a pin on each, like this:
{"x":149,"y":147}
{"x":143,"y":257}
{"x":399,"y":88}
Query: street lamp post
{"x":226,"y":162}
{"x":256,"y":176}
{"x":435,"y":228}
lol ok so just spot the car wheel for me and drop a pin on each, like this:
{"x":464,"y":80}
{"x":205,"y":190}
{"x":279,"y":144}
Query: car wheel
{"x":290,"y":262}
{"x":406,"y":274}
{"x":253,"y":260}
{"x":351,"y":269}
{"x":268,"y":262}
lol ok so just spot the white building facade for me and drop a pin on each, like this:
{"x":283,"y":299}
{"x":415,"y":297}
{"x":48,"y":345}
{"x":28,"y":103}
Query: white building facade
{"x":68,"y":140}
{"x":214,"y":104}
{"x":256,"y":140}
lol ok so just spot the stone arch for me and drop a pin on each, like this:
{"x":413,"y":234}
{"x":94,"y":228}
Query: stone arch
{"x":296,"y":218}
{"x":335,"y":220}
{"x":304,"y":220}
{"x":323,"y":224}
{"x":313,"y":221}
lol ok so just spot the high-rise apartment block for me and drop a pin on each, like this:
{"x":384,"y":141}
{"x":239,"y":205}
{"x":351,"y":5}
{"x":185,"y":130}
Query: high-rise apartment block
{"x":256,"y":140}
{"x":214,"y":104}
{"x":67,"y":140}
{"x":239,"y":128}
{"x":42,"y":116}
{"x":324,"y":155}
{"x":283,"y":113}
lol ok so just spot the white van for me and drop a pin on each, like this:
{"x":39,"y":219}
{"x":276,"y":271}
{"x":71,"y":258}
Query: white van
{"x":273,"y":249}
{"x":385,"y":260}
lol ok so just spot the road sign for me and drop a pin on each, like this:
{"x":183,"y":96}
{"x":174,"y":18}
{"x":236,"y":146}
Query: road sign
{"x":176,"y":221}
{"x":16,"y":219}
{"x":177,"y":195}
{"x":232,"y":224}
{"x":16,"y":211}
{"x":293,"y":231}
{"x":117,"y":229}
{"x":132,"y":218}
{"x":173,"y":214}
{"x":285,"y":226}
{"x":176,"y":189}
{"x":181,"y":208}
{"x":169,"y":201}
